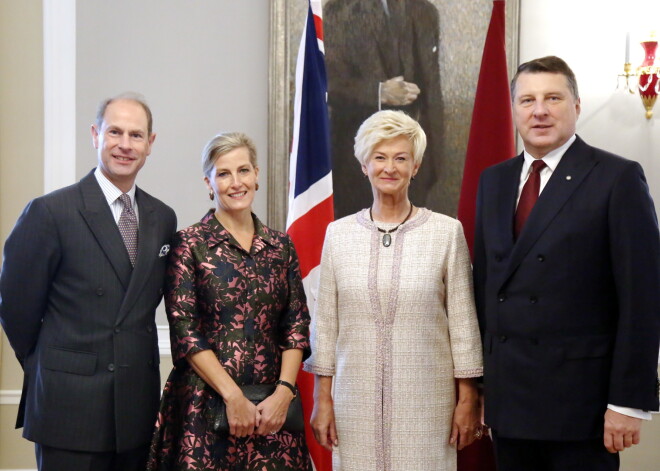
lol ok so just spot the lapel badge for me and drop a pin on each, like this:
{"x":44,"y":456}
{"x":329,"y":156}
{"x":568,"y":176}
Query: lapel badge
{"x":164,"y":250}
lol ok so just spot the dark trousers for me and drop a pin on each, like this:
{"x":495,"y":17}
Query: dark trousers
{"x":542,"y":455}
{"x":55,"y":459}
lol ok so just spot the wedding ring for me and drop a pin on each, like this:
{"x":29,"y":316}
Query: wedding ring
{"x":478,"y":434}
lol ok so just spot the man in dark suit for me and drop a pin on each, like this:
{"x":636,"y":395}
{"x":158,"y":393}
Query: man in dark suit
{"x":82,"y":276}
{"x":567,"y":288}
{"x":380,"y":54}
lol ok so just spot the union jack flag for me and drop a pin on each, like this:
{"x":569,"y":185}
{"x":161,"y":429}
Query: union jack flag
{"x":310,"y":185}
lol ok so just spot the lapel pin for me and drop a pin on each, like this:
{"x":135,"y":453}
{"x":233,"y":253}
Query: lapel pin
{"x":164,"y":250}
{"x":569,"y":178}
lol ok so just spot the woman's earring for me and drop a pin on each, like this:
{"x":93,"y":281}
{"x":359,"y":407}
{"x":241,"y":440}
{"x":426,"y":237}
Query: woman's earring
{"x":256,"y":186}
{"x":211,"y":196}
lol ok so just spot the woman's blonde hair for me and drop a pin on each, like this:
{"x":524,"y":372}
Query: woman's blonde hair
{"x":223,"y":143}
{"x":387,"y":124}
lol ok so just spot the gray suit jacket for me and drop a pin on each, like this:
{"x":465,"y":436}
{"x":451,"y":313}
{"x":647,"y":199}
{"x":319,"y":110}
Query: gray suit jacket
{"x":82,"y":320}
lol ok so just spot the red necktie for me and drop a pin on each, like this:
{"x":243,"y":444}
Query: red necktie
{"x":528,"y":196}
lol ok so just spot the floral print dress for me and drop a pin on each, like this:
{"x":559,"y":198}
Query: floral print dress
{"x":247,"y":308}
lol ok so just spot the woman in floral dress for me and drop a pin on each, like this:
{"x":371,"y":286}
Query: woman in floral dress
{"x":237,"y":314}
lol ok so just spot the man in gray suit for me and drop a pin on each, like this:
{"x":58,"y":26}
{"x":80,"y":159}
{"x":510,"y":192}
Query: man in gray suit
{"x":81,"y":279}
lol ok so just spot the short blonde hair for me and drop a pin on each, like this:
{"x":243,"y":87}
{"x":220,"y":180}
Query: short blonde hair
{"x":388,"y":124}
{"x":224,"y":143}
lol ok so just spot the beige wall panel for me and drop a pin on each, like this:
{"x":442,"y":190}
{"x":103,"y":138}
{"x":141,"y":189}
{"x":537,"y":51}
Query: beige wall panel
{"x":21,"y":174}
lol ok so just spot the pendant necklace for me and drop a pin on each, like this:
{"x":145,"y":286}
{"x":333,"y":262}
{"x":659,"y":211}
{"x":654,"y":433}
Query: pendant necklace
{"x":387,"y":238}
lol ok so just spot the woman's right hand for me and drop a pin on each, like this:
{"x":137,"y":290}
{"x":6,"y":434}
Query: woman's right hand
{"x":242,"y":415}
{"x":323,"y":423}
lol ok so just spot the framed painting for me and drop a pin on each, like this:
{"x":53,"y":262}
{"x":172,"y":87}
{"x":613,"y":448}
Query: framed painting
{"x":437,"y":46}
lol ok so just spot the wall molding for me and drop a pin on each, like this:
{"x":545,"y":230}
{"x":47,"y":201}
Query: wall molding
{"x":163,"y":341}
{"x":59,"y":23}
{"x":10,"y":397}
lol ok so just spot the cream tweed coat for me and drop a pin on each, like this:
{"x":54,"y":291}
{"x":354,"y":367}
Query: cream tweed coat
{"x":394,"y":326}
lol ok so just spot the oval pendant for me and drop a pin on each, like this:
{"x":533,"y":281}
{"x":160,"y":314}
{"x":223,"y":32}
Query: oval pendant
{"x":387,"y":240}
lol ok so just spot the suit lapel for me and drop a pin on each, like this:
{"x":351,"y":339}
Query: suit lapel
{"x":99,"y":219}
{"x":573,"y":168}
{"x":147,"y":252}
{"x":506,"y":201}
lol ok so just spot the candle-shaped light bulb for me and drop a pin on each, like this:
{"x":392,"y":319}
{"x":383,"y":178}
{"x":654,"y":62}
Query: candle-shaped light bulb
{"x":627,"y":48}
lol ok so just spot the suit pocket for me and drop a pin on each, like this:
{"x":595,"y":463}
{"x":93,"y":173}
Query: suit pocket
{"x":70,"y":361}
{"x":588,"y":347}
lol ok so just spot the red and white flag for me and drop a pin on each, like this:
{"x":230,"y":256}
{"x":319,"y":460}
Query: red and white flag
{"x":491,"y":131}
{"x":490,"y":142}
{"x":310,"y":186}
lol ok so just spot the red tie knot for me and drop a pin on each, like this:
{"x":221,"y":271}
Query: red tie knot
{"x":538,"y":165}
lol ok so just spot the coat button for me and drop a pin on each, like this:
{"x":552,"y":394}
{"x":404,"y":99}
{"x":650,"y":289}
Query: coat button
{"x":111,"y":367}
{"x":150,"y":363}
{"x":540,"y":258}
{"x":100,"y":292}
{"x":533,"y":299}
{"x":149,"y":329}
{"x":160,"y":291}
{"x":502,"y":338}
{"x":501,"y":297}
{"x":117,"y":330}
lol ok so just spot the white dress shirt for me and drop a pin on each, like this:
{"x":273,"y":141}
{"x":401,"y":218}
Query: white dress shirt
{"x":112,"y":194}
{"x":551,"y":160}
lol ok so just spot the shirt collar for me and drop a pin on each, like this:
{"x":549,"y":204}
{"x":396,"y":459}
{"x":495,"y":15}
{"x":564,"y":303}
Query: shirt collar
{"x":215,"y":232}
{"x":551,"y":159}
{"x":110,"y":191}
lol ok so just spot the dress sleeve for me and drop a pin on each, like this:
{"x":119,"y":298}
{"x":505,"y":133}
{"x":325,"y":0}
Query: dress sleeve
{"x":461,"y":313}
{"x":294,"y":324}
{"x":324,"y":317}
{"x":186,"y":335}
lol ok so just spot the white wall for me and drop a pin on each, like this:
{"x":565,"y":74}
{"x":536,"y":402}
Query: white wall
{"x":203,"y":68}
{"x":590,"y":36}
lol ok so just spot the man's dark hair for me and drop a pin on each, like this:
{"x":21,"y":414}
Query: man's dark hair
{"x":549,"y":64}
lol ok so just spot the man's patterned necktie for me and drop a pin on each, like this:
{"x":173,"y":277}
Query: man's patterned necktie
{"x":128,"y":227}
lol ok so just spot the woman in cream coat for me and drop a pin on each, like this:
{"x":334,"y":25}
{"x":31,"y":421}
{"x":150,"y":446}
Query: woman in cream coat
{"x":394,"y":323}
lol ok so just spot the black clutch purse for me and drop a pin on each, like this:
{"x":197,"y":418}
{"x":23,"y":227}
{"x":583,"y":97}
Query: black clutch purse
{"x":255,"y":393}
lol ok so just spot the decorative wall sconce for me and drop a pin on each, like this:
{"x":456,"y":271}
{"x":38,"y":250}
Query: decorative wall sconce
{"x":646,"y":77}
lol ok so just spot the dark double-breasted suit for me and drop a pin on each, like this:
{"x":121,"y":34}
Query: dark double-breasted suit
{"x":570,"y":312}
{"x":82,"y":320}
{"x":361,"y":52}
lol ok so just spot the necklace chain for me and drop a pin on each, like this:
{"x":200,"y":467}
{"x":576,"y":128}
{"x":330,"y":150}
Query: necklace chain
{"x":387,"y":238}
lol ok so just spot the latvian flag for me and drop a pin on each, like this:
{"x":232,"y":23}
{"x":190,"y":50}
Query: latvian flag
{"x":310,"y":185}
